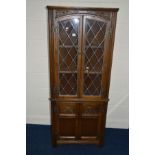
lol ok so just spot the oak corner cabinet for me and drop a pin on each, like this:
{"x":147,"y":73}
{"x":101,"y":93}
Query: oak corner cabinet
{"x":81,"y":44}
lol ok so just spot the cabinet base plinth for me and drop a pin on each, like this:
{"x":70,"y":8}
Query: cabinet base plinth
{"x":78,"y":142}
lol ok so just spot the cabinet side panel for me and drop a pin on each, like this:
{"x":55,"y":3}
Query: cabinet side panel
{"x":50,"y":35}
{"x":109,"y":55}
{"x":51,"y":71}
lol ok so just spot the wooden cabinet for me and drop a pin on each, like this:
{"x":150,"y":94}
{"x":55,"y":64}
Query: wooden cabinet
{"x":81,"y":44}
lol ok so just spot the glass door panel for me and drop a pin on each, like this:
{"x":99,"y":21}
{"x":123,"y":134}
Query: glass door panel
{"x":94,"y":40}
{"x":68,"y":49}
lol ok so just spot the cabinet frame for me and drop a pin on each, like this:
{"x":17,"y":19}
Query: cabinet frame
{"x":55,"y":12}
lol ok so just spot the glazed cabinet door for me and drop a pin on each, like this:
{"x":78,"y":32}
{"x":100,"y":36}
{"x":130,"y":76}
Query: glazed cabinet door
{"x":67,"y":48}
{"x":94,"y":47}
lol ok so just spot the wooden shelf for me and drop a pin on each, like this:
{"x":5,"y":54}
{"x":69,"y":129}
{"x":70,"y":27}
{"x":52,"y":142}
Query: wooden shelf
{"x":93,"y":73}
{"x":94,"y":46}
{"x":67,"y":72}
{"x":70,"y":72}
{"x":75,"y":72}
{"x":68,"y":46}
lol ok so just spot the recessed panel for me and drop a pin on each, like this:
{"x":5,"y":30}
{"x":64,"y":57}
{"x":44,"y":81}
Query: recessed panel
{"x":89,"y":126}
{"x":67,"y":127}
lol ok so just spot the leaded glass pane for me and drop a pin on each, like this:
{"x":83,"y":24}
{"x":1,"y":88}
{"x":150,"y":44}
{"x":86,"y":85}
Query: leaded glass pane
{"x":93,"y":56}
{"x":68,"y":46}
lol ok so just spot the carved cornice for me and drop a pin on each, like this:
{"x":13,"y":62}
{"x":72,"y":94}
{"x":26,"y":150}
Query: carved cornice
{"x":103,"y":14}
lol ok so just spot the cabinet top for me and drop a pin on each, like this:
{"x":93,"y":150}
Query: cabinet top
{"x":82,"y":8}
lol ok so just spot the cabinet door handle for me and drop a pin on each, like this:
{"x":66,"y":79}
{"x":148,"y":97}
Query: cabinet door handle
{"x":87,"y":70}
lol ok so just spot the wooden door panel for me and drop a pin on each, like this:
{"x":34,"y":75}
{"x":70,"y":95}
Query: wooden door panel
{"x":88,"y":127}
{"x":67,"y":109}
{"x":67,"y":118}
{"x":67,"y":127}
{"x":89,"y":109}
{"x":91,"y":117}
{"x":88,"y":119}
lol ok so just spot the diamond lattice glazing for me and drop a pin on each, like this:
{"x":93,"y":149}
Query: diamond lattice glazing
{"x":68,"y":38}
{"x":94,"y":50}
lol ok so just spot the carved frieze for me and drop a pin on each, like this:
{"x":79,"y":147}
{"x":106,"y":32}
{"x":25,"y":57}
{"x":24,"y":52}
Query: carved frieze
{"x":103,"y":14}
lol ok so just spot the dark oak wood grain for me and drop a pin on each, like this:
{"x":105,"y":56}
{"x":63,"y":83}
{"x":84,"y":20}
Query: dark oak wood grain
{"x":81,"y":42}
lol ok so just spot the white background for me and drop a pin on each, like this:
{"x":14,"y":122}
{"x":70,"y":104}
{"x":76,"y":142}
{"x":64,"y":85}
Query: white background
{"x":13,"y":77}
{"x":37,"y":72}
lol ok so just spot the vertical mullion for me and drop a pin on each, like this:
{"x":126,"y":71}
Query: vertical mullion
{"x":77,"y":136}
{"x":80,"y":78}
{"x":79,"y":83}
{"x":82,"y":56}
{"x":79,"y":58}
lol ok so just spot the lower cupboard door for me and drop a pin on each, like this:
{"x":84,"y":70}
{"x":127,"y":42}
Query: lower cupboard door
{"x":89,"y":128}
{"x":67,"y":128}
